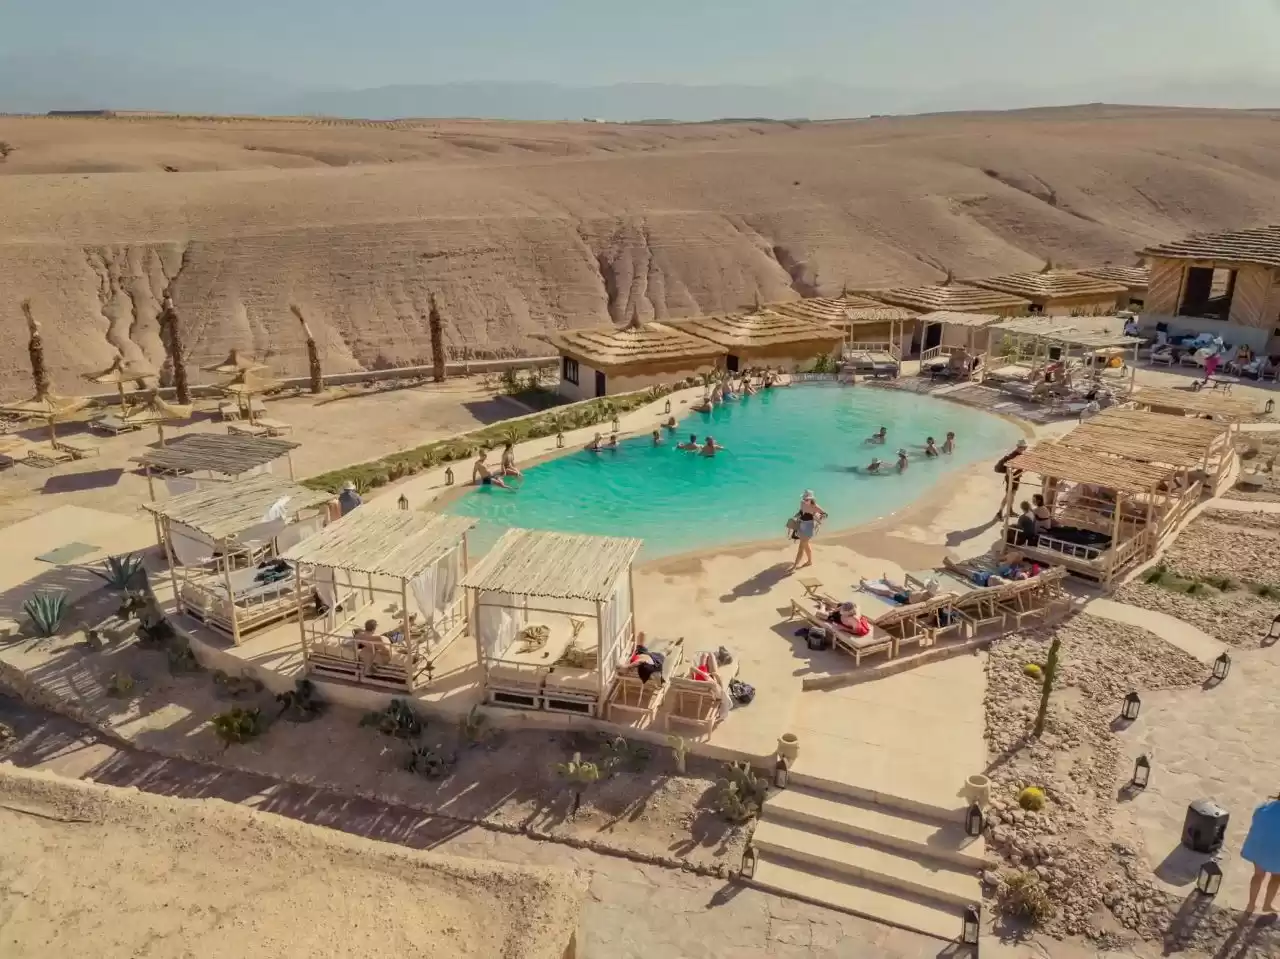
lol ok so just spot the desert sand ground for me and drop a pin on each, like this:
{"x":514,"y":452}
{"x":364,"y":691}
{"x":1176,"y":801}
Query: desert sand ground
{"x":517,"y":228}
{"x":260,"y":884}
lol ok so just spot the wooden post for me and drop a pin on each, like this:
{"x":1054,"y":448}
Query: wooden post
{"x":302,"y":620}
{"x":473,"y":607}
{"x":410,"y":644}
{"x":289,"y":459}
{"x":231,"y":599}
{"x":1115,"y":538}
{"x":173,"y":573}
{"x":600,"y":651}
{"x":151,"y":484}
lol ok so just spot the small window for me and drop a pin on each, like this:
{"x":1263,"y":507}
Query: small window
{"x":570,"y":372}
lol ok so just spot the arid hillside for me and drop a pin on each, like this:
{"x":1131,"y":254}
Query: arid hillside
{"x":519,"y":228}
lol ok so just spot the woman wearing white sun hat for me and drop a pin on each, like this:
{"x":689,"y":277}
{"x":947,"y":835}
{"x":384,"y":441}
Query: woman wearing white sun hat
{"x":804,"y":525}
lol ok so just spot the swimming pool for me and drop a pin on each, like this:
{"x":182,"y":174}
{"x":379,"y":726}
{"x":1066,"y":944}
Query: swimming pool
{"x":777,"y":444}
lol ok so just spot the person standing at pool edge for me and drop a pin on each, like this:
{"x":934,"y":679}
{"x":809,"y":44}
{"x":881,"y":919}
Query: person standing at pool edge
{"x":806,"y":526}
{"x":1011,"y":477}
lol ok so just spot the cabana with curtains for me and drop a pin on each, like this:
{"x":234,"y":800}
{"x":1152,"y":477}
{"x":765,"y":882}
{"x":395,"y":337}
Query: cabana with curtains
{"x":553,"y":617}
{"x":962,"y":344}
{"x":224,"y":546}
{"x":401,"y":571}
{"x":197,"y":460}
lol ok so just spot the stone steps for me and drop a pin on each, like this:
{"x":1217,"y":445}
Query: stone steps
{"x":885,"y":862}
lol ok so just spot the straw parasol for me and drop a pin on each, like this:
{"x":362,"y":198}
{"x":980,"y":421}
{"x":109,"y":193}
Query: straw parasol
{"x":156,"y":411}
{"x":48,"y":407}
{"x":236,"y":364}
{"x":118,"y":373}
{"x":245,"y":386}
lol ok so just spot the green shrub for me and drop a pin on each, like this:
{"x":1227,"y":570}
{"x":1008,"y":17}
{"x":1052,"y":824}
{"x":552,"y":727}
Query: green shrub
{"x":578,"y":774}
{"x":474,"y":728}
{"x":121,"y":572}
{"x":622,"y":753}
{"x":181,"y":658}
{"x":1032,"y":799}
{"x":239,"y":725}
{"x":301,"y":704}
{"x":739,"y":793}
{"x":398,"y":720}
{"x":1033,"y":670}
{"x":1022,"y":895}
{"x":47,"y":610}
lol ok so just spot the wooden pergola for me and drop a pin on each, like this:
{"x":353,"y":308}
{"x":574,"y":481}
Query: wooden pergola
{"x":214,"y":458}
{"x":1036,"y":342}
{"x":222,"y":543}
{"x":1196,"y":403}
{"x":1205,"y":444}
{"x":1104,"y":508}
{"x":553,"y":618}
{"x":963,"y":346}
{"x":355,"y":564}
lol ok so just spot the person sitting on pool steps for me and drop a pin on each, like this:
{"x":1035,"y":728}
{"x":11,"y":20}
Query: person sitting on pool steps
{"x":481,"y":475}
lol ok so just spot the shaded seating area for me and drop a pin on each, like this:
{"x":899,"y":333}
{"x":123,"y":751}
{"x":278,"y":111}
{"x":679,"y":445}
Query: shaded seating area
{"x":197,"y":460}
{"x":223,"y":545}
{"x":553,"y":618}
{"x":642,"y":684}
{"x":962,"y":345}
{"x":1049,"y":361}
{"x":401,"y":571}
{"x":1199,"y":403}
{"x":1103,"y":509}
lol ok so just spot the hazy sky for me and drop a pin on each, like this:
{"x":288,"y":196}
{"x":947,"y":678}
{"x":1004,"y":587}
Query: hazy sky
{"x":918,"y":43}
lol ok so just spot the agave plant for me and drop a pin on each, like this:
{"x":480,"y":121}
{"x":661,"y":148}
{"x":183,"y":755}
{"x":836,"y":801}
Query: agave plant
{"x":239,"y":725}
{"x":47,"y":611}
{"x":301,"y":704}
{"x":121,"y":572}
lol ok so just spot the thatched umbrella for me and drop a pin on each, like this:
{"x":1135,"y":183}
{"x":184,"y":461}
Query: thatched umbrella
{"x":235,"y":364}
{"x":119,"y":373}
{"x":156,"y":411}
{"x":45,"y":406}
{"x":245,"y":387}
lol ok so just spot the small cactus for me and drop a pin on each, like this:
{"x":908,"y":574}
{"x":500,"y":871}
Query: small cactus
{"x":1032,"y":799}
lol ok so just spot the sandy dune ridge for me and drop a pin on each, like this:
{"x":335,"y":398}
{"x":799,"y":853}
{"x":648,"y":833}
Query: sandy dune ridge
{"x":518,"y":228}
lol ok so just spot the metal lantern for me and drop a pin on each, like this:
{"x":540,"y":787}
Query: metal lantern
{"x":1271,"y":405}
{"x":1272,"y":635}
{"x":560,"y":440}
{"x":973,"y":820}
{"x":1221,"y":666}
{"x":781,"y":773}
{"x":1132,"y":706}
{"x":403,"y":501}
{"x":749,"y":863}
{"x":616,"y":426}
{"x":448,"y":476}
{"x":431,"y":670}
{"x":972,"y":924}
{"x":1209,"y":879}
{"x":1141,"y":772}
{"x":667,"y":407}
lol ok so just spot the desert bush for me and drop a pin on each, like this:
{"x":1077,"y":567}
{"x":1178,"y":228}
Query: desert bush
{"x":474,"y":728}
{"x":1032,"y":799}
{"x":739,"y":793}
{"x":236,"y":687}
{"x":301,"y":704}
{"x":1022,"y":895}
{"x":121,"y":572}
{"x":47,"y":611}
{"x":679,"y":752}
{"x":427,"y":761}
{"x":397,"y":720}
{"x":622,"y":753}
{"x":578,"y":774}
{"x":1033,"y":670}
{"x":239,"y":725}
{"x":181,"y":658}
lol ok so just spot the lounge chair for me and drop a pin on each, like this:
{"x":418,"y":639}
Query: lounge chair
{"x":245,"y":428}
{"x":876,"y":641}
{"x":113,"y":425}
{"x":696,"y":704}
{"x":631,"y":699}
{"x":80,"y":447}
{"x":918,"y":623}
{"x":274,"y":427}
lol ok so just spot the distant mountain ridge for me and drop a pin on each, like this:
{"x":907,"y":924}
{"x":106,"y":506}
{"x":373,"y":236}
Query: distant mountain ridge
{"x":74,"y":81}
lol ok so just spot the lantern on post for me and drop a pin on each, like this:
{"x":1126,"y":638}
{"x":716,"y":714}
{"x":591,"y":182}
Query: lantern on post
{"x":1132,"y":706}
{"x":781,"y":773}
{"x":667,"y":408}
{"x":1221,"y":666}
{"x":560,"y":440}
{"x":448,"y":476}
{"x":1271,"y":405}
{"x":972,"y":925}
{"x":973,"y":820}
{"x":1209,"y":879}
{"x":1141,"y":772}
{"x":749,"y":863}
{"x":403,"y":501}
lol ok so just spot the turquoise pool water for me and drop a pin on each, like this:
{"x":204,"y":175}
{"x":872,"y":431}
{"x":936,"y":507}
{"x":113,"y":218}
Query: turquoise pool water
{"x":777,"y":444}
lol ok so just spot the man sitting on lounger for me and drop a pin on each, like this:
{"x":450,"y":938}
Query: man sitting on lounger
{"x":899,"y":593}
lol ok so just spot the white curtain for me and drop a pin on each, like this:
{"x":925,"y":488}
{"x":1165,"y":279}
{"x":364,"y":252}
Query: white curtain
{"x":260,"y":535}
{"x":448,"y":575}
{"x":616,"y":612}
{"x":295,"y":533}
{"x":177,"y":485}
{"x":498,"y":624}
{"x":423,"y":588}
{"x":191,"y":548}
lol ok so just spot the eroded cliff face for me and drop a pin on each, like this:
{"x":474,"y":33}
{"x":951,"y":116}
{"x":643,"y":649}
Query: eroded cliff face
{"x":513,"y":242}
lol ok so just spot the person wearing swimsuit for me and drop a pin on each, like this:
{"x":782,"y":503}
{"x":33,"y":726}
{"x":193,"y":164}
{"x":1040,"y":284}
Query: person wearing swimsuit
{"x":806,"y":526}
{"x":509,"y":461}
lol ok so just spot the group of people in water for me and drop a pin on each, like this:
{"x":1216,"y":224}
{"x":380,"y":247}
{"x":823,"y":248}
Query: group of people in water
{"x":738,"y":385}
{"x":880,"y":437}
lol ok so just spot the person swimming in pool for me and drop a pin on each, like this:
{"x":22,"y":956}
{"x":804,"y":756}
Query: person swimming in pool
{"x":879,"y":436}
{"x":596,"y":445}
{"x":691,"y":445}
{"x":949,"y":444}
{"x":710,"y":447}
{"x":876,"y":465}
{"x":657,"y":437}
{"x":903,"y":462}
{"x":929,"y":448}
{"x":481,"y":475}
{"x":670,"y":424}
{"x":612,"y":443}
